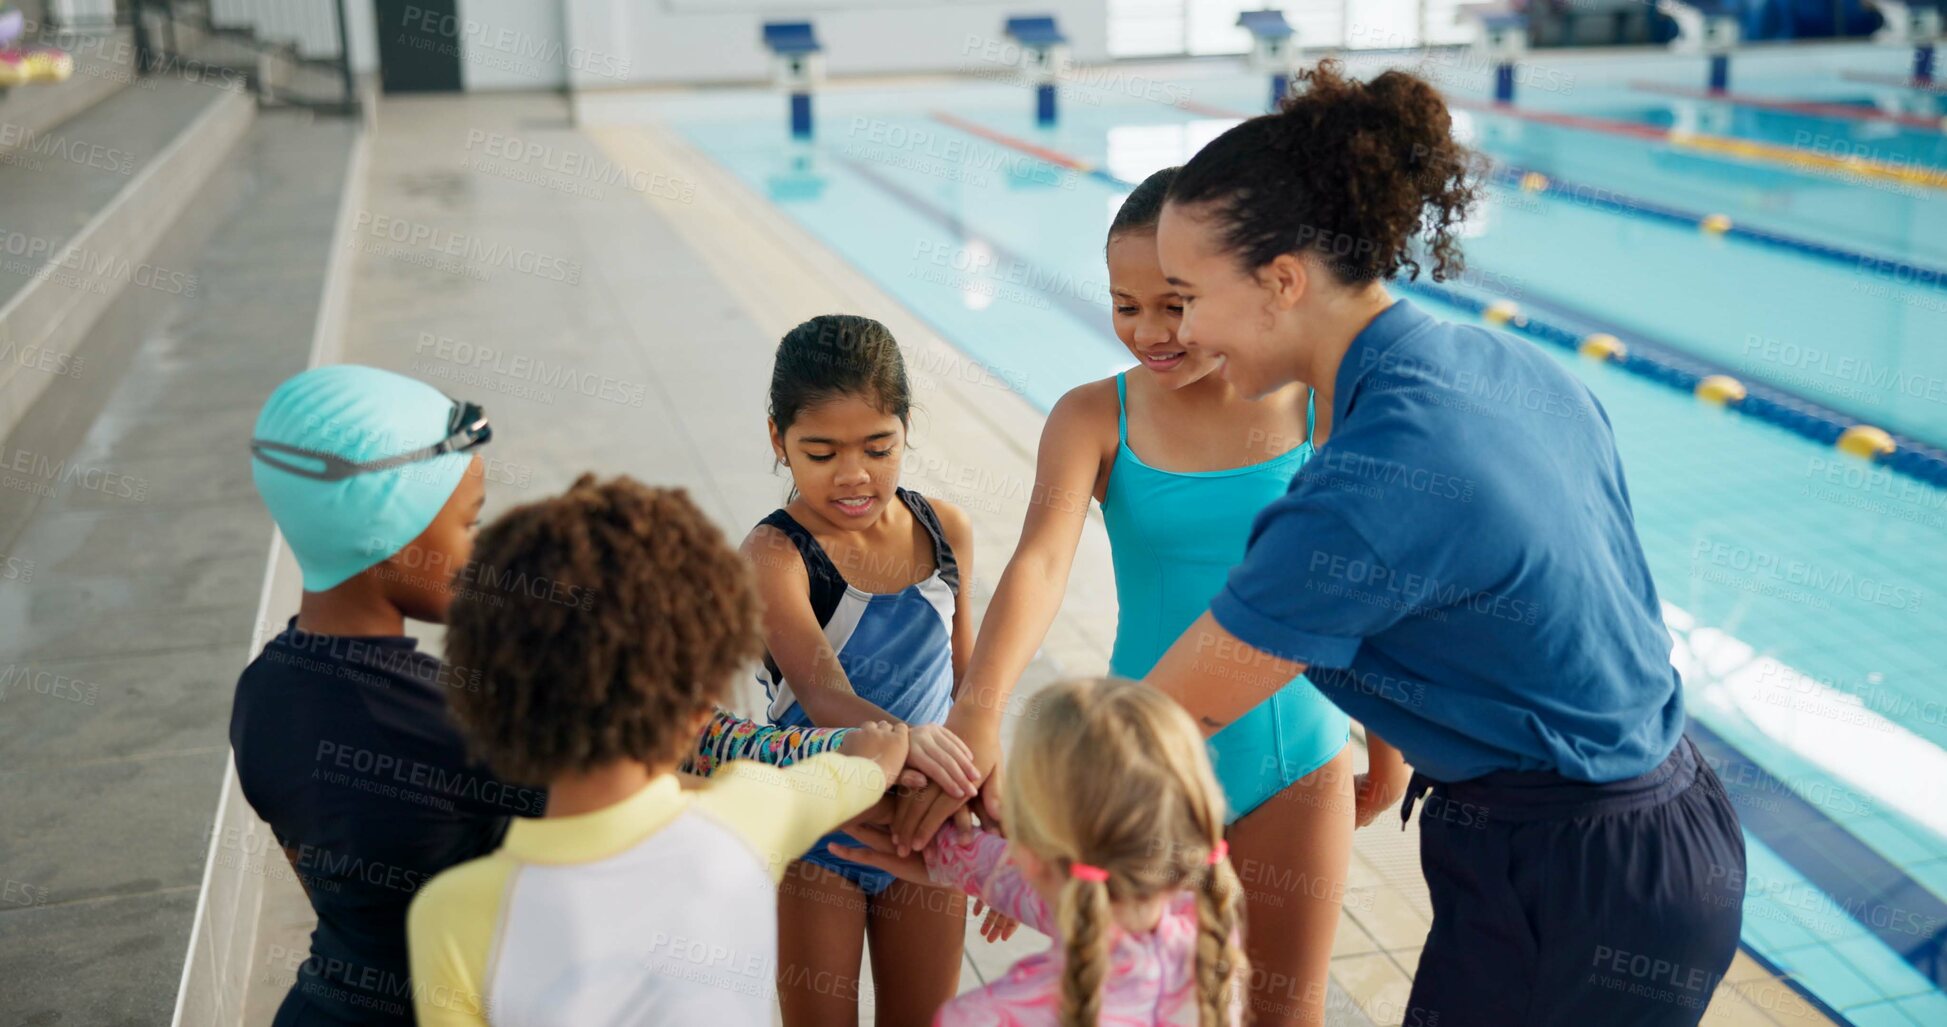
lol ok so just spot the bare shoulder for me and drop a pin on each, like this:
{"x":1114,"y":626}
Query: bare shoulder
{"x":1089,"y":411}
{"x":772,"y":555}
{"x":954,"y":522}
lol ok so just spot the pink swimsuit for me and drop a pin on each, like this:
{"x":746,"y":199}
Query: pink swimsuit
{"x":1151,"y":980}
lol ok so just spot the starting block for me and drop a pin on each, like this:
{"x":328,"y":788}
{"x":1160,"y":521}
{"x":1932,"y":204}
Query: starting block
{"x":797,"y":64}
{"x":1274,"y":49}
{"x":1044,"y":52}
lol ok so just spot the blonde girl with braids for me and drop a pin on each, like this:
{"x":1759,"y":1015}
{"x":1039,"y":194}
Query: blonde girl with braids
{"x":1116,"y":851}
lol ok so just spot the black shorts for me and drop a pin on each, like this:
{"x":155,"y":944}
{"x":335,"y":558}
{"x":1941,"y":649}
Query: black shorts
{"x":1558,"y":902}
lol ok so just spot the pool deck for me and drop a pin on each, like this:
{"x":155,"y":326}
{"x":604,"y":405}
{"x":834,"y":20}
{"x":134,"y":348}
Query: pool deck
{"x":680,"y":281}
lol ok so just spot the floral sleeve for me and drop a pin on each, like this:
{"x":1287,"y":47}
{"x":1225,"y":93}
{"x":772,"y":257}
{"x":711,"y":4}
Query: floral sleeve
{"x":980,"y":867}
{"x":730,"y":737}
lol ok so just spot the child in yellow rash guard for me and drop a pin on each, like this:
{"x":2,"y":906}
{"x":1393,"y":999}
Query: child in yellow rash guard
{"x":632,"y":901}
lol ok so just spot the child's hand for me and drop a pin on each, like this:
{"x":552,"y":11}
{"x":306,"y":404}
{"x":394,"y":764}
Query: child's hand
{"x":878,"y":851}
{"x":882,"y":741}
{"x":944,"y":759}
{"x":998,"y":926}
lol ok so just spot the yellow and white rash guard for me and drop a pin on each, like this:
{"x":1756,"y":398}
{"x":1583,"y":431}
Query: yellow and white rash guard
{"x":660,"y":909}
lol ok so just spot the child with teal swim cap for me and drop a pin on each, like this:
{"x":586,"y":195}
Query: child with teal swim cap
{"x":340,"y":727}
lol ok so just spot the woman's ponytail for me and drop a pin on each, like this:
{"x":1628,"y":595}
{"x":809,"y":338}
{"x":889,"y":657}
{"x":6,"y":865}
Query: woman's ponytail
{"x":1357,"y":172}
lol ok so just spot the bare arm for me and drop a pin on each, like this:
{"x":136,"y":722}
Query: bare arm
{"x":1030,"y":592}
{"x":959,"y":537}
{"x":1067,"y":466}
{"x":795,"y":641}
{"x":1065,"y":476}
{"x":1218,"y":677}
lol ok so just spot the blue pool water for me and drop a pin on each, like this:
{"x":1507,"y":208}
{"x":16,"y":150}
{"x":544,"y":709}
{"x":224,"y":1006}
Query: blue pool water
{"x":1804,"y":589}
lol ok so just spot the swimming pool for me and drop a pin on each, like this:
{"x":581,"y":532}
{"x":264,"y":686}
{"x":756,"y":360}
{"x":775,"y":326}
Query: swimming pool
{"x":1802,"y":585}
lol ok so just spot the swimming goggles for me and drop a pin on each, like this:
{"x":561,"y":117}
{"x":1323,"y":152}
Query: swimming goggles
{"x":465,"y":429}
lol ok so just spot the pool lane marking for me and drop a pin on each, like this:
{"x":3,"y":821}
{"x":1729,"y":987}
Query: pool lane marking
{"x":1035,"y":150}
{"x":1838,"y":111}
{"x":1909,"y":174}
{"x":1211,"y":111}
{"x":1847,"y":871}
{"x":1898,"y":81}
{"x":1034,"y":279}
{"x":1599,"y":198}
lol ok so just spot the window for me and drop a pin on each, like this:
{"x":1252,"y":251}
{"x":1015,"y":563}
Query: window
{"x":1174,"y":28}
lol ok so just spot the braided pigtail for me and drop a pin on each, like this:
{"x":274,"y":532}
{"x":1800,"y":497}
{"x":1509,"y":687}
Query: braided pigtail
{"x":1222,"y":968}
{"x":1085,"y":920}
{"x":1110,"y":787}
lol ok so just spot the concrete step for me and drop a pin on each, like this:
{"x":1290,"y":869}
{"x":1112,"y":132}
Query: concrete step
{"x":103,"y":64}
{"x":129,"y":601}
{"x":82,"y":210}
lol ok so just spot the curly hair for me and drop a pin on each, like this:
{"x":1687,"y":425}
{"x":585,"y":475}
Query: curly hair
{"x":1354,"y":171}
{"x":602,"y":620}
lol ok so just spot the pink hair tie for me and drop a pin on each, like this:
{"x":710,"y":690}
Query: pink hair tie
{"x":1085,"y":872}
{"x":1218,"y":854}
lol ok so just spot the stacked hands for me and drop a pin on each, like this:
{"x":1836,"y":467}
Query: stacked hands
{"x":935,"y":776}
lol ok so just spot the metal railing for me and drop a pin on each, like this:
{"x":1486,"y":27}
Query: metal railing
{"x":294,"y":53}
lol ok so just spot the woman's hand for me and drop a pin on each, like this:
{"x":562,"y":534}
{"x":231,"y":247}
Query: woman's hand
{"x":1376,"y":790}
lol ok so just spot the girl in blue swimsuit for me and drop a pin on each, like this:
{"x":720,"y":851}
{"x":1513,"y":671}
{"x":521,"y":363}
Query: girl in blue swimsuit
{"x":1181,"y":465}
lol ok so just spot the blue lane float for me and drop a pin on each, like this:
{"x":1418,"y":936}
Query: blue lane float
{"x":1902,"y":454}
{"x":1900,"y":271}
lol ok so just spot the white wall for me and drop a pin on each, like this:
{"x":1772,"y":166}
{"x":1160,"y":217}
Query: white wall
{"x":81,"y":12}
{"x":515,"y":44}
{"x":361,"y":25}
{"x":546,"y":44}
{"x":620,"y":42}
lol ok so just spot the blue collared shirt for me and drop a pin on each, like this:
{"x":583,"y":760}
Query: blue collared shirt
{"x":1459,"y":567}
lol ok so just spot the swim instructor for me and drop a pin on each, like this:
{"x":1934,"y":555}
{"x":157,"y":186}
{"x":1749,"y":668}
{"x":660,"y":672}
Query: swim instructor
{"x":1458,"y":568}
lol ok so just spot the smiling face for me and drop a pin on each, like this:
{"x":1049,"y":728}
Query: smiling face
{"x":1242,"y":321}
{"x":844,"y":457}
{"x":1147,"y":312}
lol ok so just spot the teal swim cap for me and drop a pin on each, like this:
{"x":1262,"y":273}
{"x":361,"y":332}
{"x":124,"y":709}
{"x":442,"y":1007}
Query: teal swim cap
{"x":337,"y":528}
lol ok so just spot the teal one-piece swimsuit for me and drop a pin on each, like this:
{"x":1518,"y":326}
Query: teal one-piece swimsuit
{"x":1174,"y":536}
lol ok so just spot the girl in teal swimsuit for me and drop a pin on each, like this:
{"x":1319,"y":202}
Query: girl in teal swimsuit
{"x":1181,"y":465}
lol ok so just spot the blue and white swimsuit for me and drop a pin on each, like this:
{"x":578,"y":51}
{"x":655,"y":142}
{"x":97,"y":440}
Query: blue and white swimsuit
{"x":896,"y":649}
